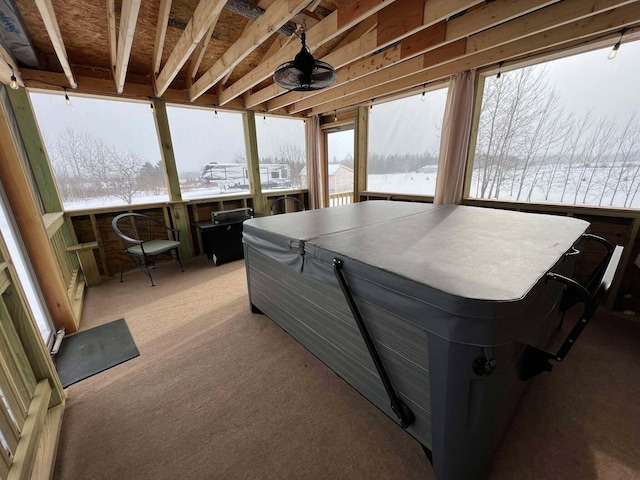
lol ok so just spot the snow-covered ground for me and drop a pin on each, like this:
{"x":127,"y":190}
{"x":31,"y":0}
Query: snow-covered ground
{"x":421,"y":183}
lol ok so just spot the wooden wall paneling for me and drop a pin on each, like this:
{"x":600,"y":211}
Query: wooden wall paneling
{"x":115,"y":256}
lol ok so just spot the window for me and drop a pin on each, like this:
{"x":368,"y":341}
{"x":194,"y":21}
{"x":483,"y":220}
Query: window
{"x":210,"y":151}
{"x":282,"y":152}
{"x":565,"y":132}
{"x":102,"y":152}
{"x":404,"y":141}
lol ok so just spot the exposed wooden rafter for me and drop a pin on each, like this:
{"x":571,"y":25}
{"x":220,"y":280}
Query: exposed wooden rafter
{"x":274,"y":17}
{"x":161,"y":32}
{"x":206,"y":13}
{"x":490,"y":15}
{"x":53,"y":29}
{"x":440,"y":64}
{"x":331,"y":26}
{"x":198,"y":54}
{"x":128,"y":21}
{"x":113,"y":39}
{"x":412,"y":18}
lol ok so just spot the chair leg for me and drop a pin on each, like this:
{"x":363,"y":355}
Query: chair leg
{"x":179,"y":258}
{"x":140,"y":265}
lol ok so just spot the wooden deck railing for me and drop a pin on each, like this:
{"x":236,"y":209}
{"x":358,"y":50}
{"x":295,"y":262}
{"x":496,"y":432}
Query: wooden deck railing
{"x":76,"y":263}
{"x":343,"y":198}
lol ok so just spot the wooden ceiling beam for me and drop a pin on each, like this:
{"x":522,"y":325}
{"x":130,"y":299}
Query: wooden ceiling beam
{"x":206,"y":13}
{"x":161,"y":33}
{"x":582,"y":31}
{"x":485,"y":17}
{"x":128,"y":21}
{"x":331,"y":26}
{"x":92,"y":86}
{"x":274,"y":17}
{"x":535,"y":22}
{"x":198,"y":54}
{"x":400,"y":20}
{"x":113,"y":42}
{"x":53,"y":29}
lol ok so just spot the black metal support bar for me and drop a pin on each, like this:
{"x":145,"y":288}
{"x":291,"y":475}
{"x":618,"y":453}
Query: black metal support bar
{"x":537,"y":361}
{"x":404,"y":413}
{"x":593,"y":282}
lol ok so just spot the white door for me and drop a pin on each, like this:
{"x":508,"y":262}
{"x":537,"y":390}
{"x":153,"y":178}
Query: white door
{"x":340,"y":148}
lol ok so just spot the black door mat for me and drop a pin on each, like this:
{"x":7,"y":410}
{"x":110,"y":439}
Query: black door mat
{"x":93,"y":351}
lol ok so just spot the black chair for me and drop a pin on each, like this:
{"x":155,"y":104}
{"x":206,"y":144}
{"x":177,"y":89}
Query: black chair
{"x":144,"y":240}
{"x":286,"y":204}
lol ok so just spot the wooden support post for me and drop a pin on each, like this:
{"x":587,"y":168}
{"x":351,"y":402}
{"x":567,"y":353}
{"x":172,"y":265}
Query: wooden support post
{"x":37,"y":156}
{"x":181,"y":222}
{"x":29,"y":218}
{"x":179,"y":210}
{"x":360,"y":155}
{"x":253,"y":161}
{"x":166,"y":149}
{"x":36,"y":153}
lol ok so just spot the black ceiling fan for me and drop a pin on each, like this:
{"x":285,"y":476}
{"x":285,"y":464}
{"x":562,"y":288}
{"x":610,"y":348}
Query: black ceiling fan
{"x":304,"y":73}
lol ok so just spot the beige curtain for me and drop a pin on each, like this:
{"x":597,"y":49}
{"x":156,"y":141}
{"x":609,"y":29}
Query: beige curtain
{"x":314,"y":162}
{"x":454,"y":142}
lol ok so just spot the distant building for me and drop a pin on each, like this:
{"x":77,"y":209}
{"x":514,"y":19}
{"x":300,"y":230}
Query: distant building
{"x":340,"y":178}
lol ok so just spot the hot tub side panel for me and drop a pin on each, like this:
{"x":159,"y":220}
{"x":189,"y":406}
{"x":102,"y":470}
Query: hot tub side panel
{"x":317,"y":315}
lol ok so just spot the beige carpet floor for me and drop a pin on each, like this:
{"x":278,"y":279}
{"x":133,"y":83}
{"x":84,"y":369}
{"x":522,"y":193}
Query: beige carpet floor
{"x":220,"y":393}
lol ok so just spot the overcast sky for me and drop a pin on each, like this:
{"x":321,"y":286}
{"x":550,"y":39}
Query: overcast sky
{"x":587,"y":81}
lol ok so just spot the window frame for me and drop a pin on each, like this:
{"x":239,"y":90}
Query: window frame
{"x":426,"y":88}
{"x":505,"y":67}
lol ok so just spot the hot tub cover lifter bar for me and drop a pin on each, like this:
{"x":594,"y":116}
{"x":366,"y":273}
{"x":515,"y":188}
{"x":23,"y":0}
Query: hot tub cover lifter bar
{"x":403,"y":412}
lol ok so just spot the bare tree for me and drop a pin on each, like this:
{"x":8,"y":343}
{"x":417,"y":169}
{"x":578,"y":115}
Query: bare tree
{"x":626,"y":152}
{"x":574,"y":154}
{"x":509,"y":109}
{"x":295,"y":157}
{"x":87,"y":167}
{"x":629,"y":175}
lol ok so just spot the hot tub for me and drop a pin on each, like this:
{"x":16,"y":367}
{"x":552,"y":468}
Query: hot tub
{"x":456,"y":301}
